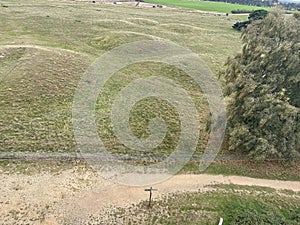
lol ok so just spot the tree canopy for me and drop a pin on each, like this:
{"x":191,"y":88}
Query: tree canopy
{"x":263,"y":86}
{"x":255,"y":15}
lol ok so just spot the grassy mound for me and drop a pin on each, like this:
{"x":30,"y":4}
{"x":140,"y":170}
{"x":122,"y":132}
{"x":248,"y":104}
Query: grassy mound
{"x":47,"y":46}
{"x":36,"y":98}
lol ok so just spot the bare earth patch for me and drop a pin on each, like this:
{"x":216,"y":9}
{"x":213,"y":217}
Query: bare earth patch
{"x":72,"y":196}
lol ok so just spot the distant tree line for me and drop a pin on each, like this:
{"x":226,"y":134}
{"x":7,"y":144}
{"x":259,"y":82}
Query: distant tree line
{"x":291,"y":6}
{"x":266,"y":3}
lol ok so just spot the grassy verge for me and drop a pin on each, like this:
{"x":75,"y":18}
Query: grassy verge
{"x":275,"y":170}
{"x":221,"y":7}
{"x":263,"y":170}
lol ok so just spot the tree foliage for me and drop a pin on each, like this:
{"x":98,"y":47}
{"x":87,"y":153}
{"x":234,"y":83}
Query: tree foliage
{"x":263,"y":85}
{"x":255,"y":15}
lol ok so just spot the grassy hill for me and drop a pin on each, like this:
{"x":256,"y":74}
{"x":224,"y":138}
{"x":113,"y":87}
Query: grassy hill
{"x":46,"y":46}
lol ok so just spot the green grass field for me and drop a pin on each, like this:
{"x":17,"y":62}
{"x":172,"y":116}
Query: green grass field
{"x":221,"y":7}
{"x":46,"y":47}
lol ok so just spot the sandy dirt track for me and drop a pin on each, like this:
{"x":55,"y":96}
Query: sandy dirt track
{"x":76,"y":194}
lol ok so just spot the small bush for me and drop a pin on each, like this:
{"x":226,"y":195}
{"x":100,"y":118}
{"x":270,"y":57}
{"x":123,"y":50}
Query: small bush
{"x":254,"y":15}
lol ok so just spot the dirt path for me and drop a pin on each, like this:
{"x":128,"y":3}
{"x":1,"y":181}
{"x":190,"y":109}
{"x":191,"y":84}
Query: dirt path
{"x":123,"y":195}
{"x":76,"y":194}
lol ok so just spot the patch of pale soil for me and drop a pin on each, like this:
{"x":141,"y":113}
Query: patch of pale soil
{"x":73,"y":195}
{"x":44,"y":48}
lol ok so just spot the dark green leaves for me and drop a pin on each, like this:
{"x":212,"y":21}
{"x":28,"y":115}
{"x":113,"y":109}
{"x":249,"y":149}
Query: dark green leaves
{"x":263,"y":84}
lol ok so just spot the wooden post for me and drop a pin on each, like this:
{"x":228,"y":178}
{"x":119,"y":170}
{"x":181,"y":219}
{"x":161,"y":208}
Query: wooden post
{"x":221,"y":221}
{"x":150,"y":194}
